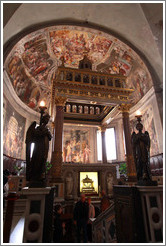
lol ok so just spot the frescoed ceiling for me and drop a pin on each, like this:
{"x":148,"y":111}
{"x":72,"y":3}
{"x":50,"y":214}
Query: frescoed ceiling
{"x":33,"y":61}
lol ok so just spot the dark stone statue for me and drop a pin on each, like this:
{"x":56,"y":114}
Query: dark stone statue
{"x":141,"y":152}
{"x":36,"y":162}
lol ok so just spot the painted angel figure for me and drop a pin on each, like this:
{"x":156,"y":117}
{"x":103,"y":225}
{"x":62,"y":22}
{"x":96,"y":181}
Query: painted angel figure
{"x":40,"y":137}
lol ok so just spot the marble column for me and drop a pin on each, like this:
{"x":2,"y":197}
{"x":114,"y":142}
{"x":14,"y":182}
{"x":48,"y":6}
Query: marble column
{"x":131,"y":170}
{"x":56,"y":159}
{"x":104,"y":154}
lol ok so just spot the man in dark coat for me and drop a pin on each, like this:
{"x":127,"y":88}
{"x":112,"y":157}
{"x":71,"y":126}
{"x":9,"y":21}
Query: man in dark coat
{"x":58,"y":225}
{"x":81,"y":216}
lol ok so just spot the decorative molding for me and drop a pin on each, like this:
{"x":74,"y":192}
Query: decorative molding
{"x":124,"y":107}
{"x":103,"y":127}
{"x":60,"y":101}
{"x":143,"y":102}
{"x":112,"y":115}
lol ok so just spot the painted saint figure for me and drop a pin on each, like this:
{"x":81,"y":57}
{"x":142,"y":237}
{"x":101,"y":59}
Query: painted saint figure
{"x":86,"y":154}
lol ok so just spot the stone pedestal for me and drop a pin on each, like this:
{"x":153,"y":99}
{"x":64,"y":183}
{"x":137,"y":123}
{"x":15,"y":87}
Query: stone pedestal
{"x":34,"y":216}
{"x":151,"y":197}
{"x":12,"y":197}
{"x":139,"y":213}
{"x":128,"y":215}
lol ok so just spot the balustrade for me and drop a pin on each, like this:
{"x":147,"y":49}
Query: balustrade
{"x":82,"y":110}
{"x":91,"y":78}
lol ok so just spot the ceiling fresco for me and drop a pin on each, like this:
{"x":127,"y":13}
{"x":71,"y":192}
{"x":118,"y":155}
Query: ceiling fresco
{"x":34,"y":59}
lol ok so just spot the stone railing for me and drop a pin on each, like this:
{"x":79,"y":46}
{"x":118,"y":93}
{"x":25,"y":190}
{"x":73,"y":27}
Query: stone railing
{"x":156,"y":165}
{"x":104,"y":228}
{"x":10,"y":163}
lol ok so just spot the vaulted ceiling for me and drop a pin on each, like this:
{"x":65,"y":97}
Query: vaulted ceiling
{"x":119,"y":38}
{"x":35,"y":58}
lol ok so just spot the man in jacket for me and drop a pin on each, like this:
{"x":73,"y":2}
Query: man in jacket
{"x":81,"y":216}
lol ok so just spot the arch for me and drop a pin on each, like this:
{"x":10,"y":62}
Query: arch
{"x":16,"y":38}
{"x":143,"y":79}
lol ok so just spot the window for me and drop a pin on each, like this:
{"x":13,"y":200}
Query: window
{"x":99,"y":146}
{"x":32,"y":149}
{"x":110,"y":145}
{"x":124,"y":143}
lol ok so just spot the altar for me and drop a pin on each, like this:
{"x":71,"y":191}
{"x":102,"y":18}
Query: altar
{"x":89,"y":186}
{"x":89,"y":179}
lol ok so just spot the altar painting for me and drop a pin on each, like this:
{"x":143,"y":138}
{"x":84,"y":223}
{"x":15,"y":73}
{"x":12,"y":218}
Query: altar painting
{"x":76,"y":147}
{"x":13,"y":132}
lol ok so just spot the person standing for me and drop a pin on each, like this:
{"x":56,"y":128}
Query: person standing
{"x":6,"y":174}
{"x":58,"y":225}
{"x":81,"y":216}
{"x":91,"y":215}
{"x":105,"y":202}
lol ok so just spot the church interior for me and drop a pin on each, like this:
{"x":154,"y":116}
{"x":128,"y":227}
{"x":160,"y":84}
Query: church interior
{"x":83,"y":117}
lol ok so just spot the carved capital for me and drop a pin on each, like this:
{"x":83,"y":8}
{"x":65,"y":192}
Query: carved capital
{"x":60,"y":101}
{"x":103,"y":128}
{"x":124,"y":107}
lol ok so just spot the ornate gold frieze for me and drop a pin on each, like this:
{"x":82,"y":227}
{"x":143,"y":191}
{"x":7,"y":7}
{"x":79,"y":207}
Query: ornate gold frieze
{"x":98,"y":88}
{"x":93,"y":94}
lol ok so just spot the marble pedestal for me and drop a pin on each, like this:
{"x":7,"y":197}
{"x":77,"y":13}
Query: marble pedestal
{"x":34,"y":215}
{"x":151,"y":198}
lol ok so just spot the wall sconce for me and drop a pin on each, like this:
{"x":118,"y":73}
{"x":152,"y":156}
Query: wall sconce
{"x":42,"y":107}
{"x":138,"y":115}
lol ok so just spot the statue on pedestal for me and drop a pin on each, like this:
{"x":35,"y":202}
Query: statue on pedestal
{"x":69,"y":185}
{"x":141,"y":152}
{"x":36,"y":161}
{"x":110,"y":184}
